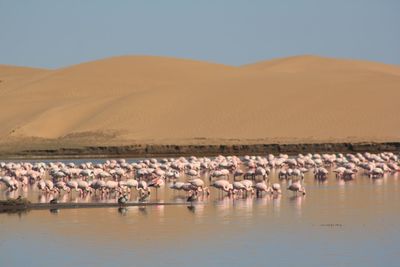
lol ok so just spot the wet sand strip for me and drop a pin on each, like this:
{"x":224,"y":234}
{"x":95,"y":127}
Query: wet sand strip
{"x":143,"y":150}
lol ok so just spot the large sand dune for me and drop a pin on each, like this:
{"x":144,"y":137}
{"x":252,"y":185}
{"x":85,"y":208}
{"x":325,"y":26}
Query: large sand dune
{"x":158,"y":100}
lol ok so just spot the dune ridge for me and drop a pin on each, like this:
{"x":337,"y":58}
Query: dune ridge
{"x":160,"y":100}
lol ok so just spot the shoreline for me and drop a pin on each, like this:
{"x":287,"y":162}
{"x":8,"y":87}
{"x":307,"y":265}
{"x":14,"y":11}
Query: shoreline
{"x":153,"y":150}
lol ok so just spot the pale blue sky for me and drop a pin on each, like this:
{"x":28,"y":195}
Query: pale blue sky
{"x":59,"y":33}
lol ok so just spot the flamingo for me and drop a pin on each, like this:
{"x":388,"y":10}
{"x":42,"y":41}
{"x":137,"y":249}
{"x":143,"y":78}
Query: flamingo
{"x":262,"y":187}
{"x":73,"y":185}
{"x":156,"y":183}
{"x":276,"y":188}
{"x":132,"y":183}
{"x":143,"y":190}
{"x":239,"y":187}
{"x":296,"y":187}
{"x":177,"y":185}
{"x":41,"y":185}
{"x":225,"y":186}
{"x":199,"y":185}
{"x":10,"y":183}
{"x":237,"y":173}
{"x":248,"y":186}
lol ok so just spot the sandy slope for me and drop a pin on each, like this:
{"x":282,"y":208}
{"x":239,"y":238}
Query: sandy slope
{"x":165,"y":100}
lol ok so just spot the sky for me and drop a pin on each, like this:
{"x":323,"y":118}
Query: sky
{"x":53,"y":34}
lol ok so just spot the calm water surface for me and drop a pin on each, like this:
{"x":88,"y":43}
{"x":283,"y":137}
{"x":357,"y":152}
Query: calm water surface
{"x":337,"y":223}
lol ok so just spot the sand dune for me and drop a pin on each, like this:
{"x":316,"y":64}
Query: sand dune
{"x":165,"y":100}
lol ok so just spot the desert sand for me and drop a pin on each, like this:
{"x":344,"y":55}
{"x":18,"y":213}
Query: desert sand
{"x":160,"y":100}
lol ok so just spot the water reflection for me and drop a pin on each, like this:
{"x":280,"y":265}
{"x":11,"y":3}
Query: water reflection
{"x":297,"y":202}
{"x":219,"y":227}
{"x":276,"y":201}
{"x":54,"y":211}
{"x":143,"y":210}
{"x":123,"y":211}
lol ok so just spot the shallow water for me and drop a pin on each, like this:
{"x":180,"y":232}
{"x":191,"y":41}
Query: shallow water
{"x":337,"y":223}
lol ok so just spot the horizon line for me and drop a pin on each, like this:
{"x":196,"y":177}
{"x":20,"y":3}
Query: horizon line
{"x":200,"y":60}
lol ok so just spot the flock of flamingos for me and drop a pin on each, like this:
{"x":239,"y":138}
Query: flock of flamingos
{"x":230,"y":175}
